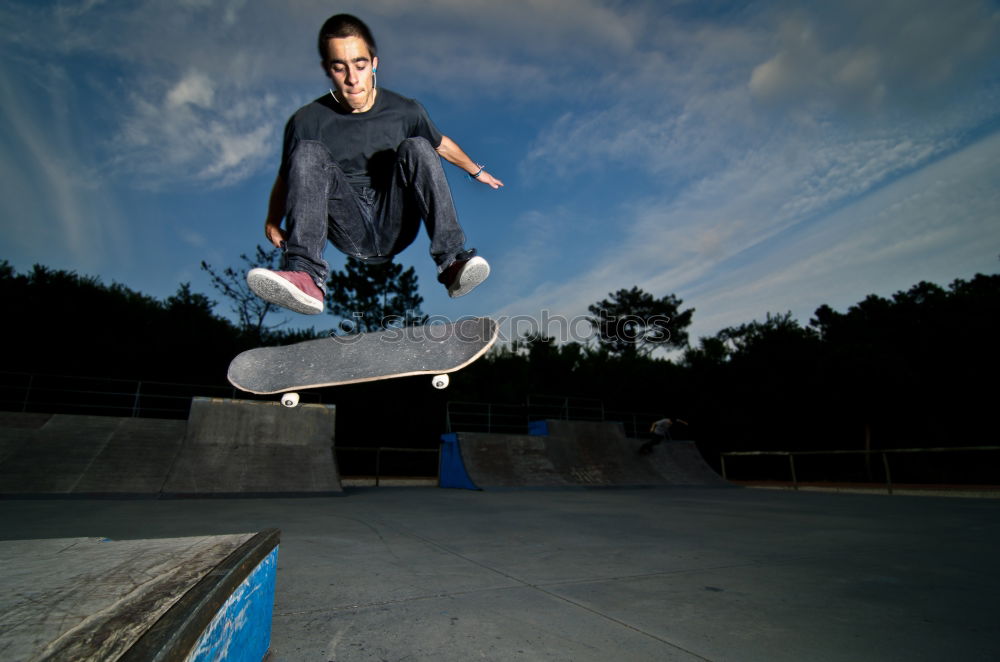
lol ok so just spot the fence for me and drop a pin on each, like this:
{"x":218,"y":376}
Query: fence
{"x":66,"y":394}
{"x":485,"y":417}
{"x":884,"y":454}
{"x":514,"y":419}
{"x":377,"y":472}
{"x":61,"y":394}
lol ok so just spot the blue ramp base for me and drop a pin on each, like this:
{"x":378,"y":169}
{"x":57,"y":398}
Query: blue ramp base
{"x":227,"y":615}
{"x":451,"y":471}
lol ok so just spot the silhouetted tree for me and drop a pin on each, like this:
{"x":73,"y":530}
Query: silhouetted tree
{"x":925,"y":349}
{"x":187,"y":304}
{"x":368,"y":297}
{"x":776,"y":336}
{"x":711,"y":351}
{"x":76,"y":325}
{"x":251,"y":310}
{"x":634,"y":323}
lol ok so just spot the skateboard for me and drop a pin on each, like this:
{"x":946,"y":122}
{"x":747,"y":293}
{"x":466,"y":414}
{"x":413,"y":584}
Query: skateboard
{"x":433,"y":349}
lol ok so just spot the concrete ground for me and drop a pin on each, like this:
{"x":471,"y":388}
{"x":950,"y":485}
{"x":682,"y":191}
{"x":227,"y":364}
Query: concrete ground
{"x":597,"y":574}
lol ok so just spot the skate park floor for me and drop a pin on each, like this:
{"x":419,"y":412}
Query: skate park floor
{"x":596,"y":574}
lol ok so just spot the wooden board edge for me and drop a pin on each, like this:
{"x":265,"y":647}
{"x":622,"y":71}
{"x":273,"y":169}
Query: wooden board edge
{"x":173,"y":636}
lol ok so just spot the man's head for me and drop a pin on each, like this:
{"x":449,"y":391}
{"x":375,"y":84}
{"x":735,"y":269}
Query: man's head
{"x":348,"y":54}
{"x":345,"y":25}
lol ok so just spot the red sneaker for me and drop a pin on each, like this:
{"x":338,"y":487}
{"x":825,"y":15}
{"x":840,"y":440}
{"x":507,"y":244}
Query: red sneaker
{"x":295,"y":290}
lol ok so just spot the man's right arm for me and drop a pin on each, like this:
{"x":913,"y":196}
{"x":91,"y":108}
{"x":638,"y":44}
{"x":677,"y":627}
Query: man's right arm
{"x":276,"y":212}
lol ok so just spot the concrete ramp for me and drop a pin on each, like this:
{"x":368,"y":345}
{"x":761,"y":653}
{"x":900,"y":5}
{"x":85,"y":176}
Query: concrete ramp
{"x":250,"y":447}
{"x":681,"y":463}
{"x":86,"y":455}
{"x":226,"y":447}
{"x":568,"y":453}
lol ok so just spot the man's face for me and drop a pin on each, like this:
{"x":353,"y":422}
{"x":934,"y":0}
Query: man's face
{"x":349,"y":65}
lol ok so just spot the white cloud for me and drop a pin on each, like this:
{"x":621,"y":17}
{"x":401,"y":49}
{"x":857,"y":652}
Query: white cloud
{"x":739,"y":176}
{"x":200,"y":62}
{"x":864,"y":56}
{"x":198,"y":130}
{"x":930,"y":225}
{"x":840,"y":67}
{"x":191,"y":237}
{"x":54,"y":180}
{"x":194,"y":88}
{"x":193,"y":95}
{"x":729,"y":266}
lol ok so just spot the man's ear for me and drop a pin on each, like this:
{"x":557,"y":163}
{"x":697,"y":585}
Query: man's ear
{"x":326,"y":69}
{"x":375,"y":63}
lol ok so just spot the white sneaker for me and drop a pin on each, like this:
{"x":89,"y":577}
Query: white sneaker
{"x":462,"y":276}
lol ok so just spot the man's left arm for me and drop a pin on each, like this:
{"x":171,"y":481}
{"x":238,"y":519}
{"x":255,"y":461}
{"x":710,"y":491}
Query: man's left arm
{"x":453,"y":154}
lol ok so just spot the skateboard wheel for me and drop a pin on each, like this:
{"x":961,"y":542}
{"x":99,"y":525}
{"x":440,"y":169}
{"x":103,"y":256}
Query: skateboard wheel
{"x":440,"y":381}
{"x":290,"y":399}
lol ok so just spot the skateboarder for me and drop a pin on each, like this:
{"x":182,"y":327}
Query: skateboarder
{"x":660,"y":431}
{"x":361,"y":166}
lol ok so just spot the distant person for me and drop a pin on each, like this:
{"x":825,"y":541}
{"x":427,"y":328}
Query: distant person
{"x":660,"y":431}
{"x":361,"y":166}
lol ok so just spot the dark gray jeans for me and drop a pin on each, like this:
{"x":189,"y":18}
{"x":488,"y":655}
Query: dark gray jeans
{"x":368,"y":223}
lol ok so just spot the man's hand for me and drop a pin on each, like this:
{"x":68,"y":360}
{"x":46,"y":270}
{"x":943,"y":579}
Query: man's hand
{"x":489,"y":180}
{"x":453,"y":154}
{"x":275,"y":212}
{"x":275,"y":234}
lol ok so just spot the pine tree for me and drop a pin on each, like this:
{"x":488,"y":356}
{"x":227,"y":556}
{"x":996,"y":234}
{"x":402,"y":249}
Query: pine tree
{"x":369,"y":297}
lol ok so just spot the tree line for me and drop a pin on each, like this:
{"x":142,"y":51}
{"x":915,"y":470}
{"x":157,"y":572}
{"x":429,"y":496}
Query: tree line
{"x":915,"y":369}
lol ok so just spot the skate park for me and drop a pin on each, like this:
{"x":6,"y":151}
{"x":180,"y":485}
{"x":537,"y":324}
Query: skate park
{"x":563,"y":544}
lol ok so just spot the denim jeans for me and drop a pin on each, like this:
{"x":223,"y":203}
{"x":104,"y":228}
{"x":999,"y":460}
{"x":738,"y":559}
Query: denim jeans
{"x":369,"y":223}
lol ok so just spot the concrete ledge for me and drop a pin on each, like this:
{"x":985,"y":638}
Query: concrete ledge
{"x":254,"y":447}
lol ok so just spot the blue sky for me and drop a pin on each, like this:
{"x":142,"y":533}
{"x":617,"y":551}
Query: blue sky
{"x":749,"y":157}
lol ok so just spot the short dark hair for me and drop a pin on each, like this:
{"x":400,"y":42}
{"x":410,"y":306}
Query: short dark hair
{"x":344,"y":25}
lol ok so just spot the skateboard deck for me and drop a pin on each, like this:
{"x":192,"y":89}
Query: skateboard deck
{"x":434,"y":349}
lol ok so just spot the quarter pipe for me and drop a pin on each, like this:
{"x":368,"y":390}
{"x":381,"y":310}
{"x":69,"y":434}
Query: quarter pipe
{"x":560,"y":453}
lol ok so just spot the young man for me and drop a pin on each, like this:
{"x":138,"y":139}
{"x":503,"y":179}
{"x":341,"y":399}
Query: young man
{"x":660,"y":431}
{"x":361,"y":166}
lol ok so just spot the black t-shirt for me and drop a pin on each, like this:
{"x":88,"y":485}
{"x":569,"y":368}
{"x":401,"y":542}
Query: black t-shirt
{"x":363,"y":144}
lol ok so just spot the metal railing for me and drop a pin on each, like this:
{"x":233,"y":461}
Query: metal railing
{"x":883,"y":453}
{"x":565,"y":407}
{"x":378,"y":450}
{"x":485,"y":417}
{"x":72,"y":394}
{"x":514,"y":418}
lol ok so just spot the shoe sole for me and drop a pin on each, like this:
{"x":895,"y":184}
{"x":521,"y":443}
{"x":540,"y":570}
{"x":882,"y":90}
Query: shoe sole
{"x":275,"y":289}
{"x":472,"y":274}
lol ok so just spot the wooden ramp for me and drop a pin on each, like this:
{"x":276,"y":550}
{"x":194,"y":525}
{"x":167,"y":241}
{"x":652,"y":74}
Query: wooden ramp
{"x":203,"y":598}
